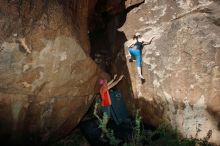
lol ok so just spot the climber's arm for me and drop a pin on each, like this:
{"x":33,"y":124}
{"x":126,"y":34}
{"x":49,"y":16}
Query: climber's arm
{"x":132,"y":45}
{"x":24,"y":45}
{"x":115,"y":82}
{"x":110,"y":82}
{"x":148,"y":42}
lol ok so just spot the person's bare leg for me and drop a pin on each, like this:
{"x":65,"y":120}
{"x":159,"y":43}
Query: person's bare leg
{"x":139,"y":72}
{"x":130,"y":57}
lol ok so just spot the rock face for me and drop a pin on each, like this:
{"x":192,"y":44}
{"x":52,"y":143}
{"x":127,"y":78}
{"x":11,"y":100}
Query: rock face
{"x":48,"y":81}
{"x":44,"y":91}
{"x":181,"y":65}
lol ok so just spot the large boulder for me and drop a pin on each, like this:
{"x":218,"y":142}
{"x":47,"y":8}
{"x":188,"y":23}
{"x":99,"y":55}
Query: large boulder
{"x":47,"y":86}
{"x":181,"y":65}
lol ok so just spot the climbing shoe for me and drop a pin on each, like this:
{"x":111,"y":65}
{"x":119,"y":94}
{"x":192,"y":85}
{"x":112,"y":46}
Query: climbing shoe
{"x":130,"y":60}
{"x":140,"y":76}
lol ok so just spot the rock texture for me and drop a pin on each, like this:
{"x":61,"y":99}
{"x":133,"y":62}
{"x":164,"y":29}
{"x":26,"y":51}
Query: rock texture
{"x":44,"y":92}
{"x":181,"y":65}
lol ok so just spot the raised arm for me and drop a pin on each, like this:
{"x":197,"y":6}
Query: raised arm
{"x":131,"y":44}
{"x":24,"y":45}
{"x":110,"y":82}
{"x":115,"y":82}
{"x":149,"y":42}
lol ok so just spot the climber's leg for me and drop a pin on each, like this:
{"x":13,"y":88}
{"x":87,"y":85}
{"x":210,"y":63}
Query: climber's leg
{"x":138,"y":64}
{"x":131,"y":52}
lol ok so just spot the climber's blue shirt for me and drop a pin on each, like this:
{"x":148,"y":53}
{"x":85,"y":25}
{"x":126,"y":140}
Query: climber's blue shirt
{"x":136,"y":52}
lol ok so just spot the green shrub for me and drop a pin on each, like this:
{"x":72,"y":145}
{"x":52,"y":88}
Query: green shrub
{"x":107,"y":134}
{"x":164,"y":135}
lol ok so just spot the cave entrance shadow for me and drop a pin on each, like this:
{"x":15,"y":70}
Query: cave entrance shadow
{"x":107,"y":47}
{"x":107,"y":50}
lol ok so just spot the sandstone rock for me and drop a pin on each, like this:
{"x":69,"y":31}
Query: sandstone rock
{"x":129,"y":3}
{"x":181,"y":65}
{"x":44,"y":93}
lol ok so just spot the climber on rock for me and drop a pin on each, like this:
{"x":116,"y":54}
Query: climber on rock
{"x":134,"y":51}
{"x":104,"y":92}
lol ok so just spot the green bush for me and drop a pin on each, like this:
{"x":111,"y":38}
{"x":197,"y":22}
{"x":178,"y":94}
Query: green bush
{"x":107,"y":134}
{"x":164,"y":135}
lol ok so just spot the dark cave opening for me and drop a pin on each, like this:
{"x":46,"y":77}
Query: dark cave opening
{"x":107,"y":50}
{"x":105,"y":40}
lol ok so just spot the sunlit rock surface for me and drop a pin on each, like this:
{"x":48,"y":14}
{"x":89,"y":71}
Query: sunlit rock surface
{"x":181,"y":65}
